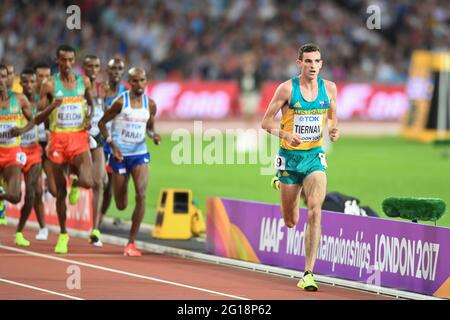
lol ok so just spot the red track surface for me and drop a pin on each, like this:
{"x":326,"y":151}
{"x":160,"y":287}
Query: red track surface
{"x":106,"y":274}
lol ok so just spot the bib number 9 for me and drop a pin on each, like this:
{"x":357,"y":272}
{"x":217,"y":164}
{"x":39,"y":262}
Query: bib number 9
{"x":280,"y":163}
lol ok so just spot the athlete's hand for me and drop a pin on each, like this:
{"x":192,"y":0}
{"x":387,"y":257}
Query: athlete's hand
{"x":15,"y":132}
{"x":117,"y":154}
{"x":334,"y":134}
{"x":293,"y":139}
{"x":156,"y":138}
{"x":56,"y":102}
{"x":87,"y":124}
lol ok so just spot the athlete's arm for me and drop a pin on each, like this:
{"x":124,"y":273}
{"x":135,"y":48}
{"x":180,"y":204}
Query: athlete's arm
{"x":110,"y":114}
{"x":333,"y":130}
{"x":279,"y":99}
{"x":90,"y":102}
{"x":44,"y":107}
{"x":26,"y":110}
{"x":151,"y":123}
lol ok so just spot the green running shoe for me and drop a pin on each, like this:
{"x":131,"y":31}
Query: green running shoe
{"x":307,"y":283}
{"x":21,"y":241}
{"x":275,"y":183}
{"x":94,"y":238}
{"x":74,"y":193}
{"x":62,"y":244}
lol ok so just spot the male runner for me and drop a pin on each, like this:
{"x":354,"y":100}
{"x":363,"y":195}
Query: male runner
{"x":43,"y":72}
{"x":13,"y":108}
{"x":69,"y":139}
{"x":32,"y":169}
{"x":132,"y":114}
{"x":91,"y":68}
{"x":306,"y":102}
{"x":12,"y":84}
{"x":113,"y":88}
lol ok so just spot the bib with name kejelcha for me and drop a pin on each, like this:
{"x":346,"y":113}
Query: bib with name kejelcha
{"x":10,"y":117}
{"x":306,"y":118}
{"x":71,"y":114}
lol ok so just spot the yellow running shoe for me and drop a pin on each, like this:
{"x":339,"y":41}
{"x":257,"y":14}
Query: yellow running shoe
{"x":21,"y":241}
{"x":307,"y":283}
{"x":275,"y":183}
{"x":62,"y":244}
{"x":74,"y":193}
{"x":94,"y":238}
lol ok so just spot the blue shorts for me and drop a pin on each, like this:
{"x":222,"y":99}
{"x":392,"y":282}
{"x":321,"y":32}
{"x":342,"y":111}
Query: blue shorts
{"x":128,"y":163}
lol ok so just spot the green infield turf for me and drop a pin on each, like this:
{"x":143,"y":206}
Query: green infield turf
{"x":370,"y":169}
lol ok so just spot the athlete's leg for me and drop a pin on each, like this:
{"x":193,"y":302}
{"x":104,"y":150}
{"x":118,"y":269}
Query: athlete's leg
{"x":98,"y":161}
{"x":12,"y":176}
{"x":140,"y":179}
{"x":31,"y":181}
{"x":60,"y":181}
{"x":107,"y":195}
{"x":83,"y":165}
{"x":289,"y":203}
{"x":51,"y":187}
{"x":120,"y":188}
{"x":315,"y":185}
{"x":38,"y":205}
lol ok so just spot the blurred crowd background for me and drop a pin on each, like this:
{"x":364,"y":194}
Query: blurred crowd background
{"x":230,"y":39}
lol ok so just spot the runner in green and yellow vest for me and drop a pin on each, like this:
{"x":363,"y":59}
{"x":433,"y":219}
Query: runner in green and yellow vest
{"x":14,"y":108}
{"x":307,"y":103}
{"x":69,"y":140}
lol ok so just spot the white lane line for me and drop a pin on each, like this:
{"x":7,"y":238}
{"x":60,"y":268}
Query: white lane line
{"x":130,"y":274}
{"x":39,"y":289}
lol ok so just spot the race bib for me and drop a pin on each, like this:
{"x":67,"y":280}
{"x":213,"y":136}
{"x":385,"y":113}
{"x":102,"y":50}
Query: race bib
{"x":29,"y":138}
{"x":280,"y":163}
{"x":133,"y":133}
{"x":5,"y":136}
{"x":309,"y":127}
{"x":70,"y":115}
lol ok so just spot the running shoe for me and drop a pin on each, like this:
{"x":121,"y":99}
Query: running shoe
{"x":21,"y":241}
{"x":275,"y":183}
{"x":307,"y":283}
{"x":131,"y":251}
{"x":42,"y":234}
{"x":62,"y":244}
{"x":94,"y":238}
{"x":74,"y":193}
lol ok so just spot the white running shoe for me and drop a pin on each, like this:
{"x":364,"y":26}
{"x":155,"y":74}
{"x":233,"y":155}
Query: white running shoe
{"x":42,"y":234}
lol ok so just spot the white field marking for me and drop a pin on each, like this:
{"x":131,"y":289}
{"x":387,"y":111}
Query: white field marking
{"x":130,"y":274}
{"x":39,"y":289}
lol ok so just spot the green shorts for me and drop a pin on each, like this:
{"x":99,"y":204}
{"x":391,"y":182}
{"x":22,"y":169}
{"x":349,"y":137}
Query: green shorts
{"x":294,"y":165}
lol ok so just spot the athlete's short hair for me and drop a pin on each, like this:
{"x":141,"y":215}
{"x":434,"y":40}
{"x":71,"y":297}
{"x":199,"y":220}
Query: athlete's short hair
{"x":65,"y":48}
{"x":28,"y":71}
{"x":41,"y":65}
{"x":309,"y":47}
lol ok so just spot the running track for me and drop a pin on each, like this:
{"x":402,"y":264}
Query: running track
{"x":36,"y":273}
